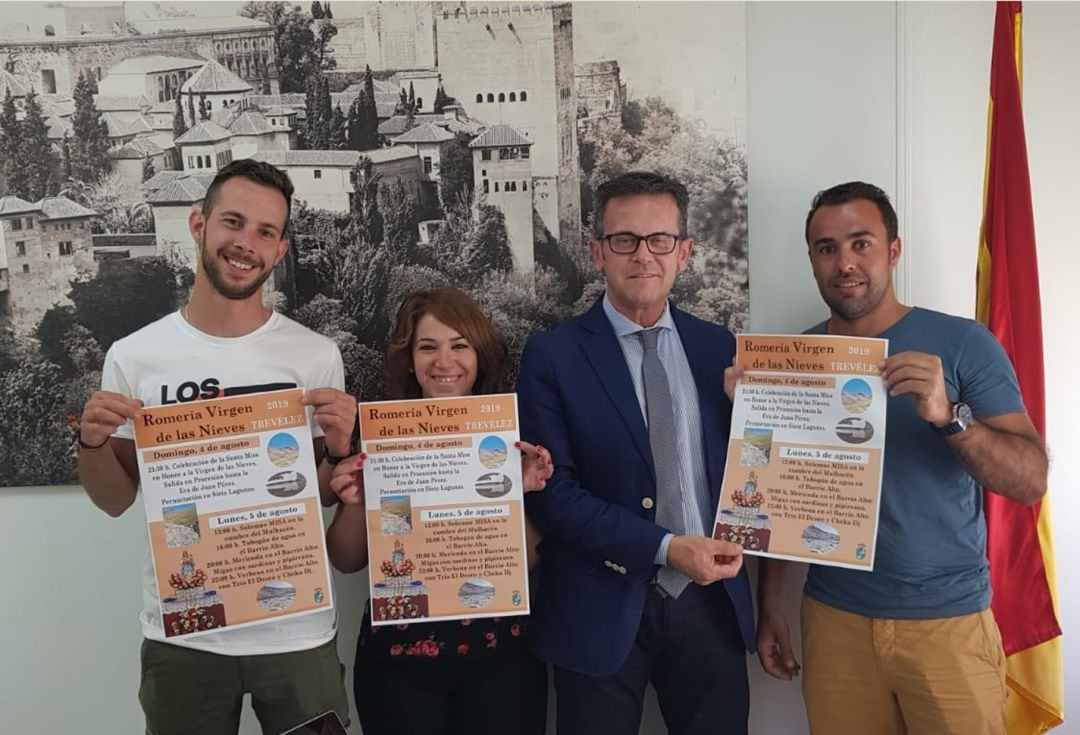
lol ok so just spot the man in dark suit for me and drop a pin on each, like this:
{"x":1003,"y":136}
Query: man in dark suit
{"x":629,"y":398}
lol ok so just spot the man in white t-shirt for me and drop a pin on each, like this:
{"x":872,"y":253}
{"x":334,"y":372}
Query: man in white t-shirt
{"x":224,"y":342}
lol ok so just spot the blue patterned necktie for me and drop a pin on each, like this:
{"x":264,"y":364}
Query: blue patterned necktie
{"x":669,"y":496}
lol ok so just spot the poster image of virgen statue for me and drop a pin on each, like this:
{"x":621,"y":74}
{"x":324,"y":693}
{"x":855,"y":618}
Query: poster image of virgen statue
{"x":430,"y":144}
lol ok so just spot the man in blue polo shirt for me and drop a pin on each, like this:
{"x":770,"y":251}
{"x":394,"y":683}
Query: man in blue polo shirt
{"x":911,"y":646}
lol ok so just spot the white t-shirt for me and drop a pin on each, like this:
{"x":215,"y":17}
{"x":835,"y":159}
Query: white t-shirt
{"x":170,"y":361}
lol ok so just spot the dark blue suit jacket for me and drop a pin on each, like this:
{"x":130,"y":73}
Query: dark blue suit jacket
{"x":598,"y":510}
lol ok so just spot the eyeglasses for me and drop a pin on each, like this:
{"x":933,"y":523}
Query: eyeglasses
{"x":626,"y":243}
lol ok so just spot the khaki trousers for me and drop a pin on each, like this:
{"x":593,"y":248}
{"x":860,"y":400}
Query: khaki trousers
{"x":874,"y":676}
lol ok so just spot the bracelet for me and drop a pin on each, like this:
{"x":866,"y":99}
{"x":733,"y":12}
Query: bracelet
{"x":329,"y":458}
{"x":90,"y":447}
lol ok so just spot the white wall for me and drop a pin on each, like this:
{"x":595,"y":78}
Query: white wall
{"x":826,"y":82}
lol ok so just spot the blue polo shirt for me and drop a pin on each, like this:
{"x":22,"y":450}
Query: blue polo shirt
{"x":930,"y":560}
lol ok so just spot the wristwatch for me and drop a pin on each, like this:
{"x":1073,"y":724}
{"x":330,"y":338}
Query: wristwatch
{"x":961,"y":419}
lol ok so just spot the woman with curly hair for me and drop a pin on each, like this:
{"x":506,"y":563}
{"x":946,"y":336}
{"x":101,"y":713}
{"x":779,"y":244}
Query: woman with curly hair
{"x":472,"y":676}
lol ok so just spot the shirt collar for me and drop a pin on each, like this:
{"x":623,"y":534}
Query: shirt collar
{"x":624,"y":327}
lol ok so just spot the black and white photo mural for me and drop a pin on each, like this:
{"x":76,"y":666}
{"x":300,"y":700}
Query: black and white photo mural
{"x":430,"y":144}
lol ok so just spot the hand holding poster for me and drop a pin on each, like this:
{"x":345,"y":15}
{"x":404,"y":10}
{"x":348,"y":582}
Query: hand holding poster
{"x":232,"y":502}
{"x":803,"y":474}
{"x":446,"y":522}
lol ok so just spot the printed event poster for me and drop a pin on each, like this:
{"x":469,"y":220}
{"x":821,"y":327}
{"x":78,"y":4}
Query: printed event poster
{"x":232,"y":503}
{"x":803,"y":474}
{"x":445,"y":515}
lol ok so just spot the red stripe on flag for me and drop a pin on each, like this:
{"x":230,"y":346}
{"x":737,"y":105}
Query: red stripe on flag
{"x":1022,"y":602}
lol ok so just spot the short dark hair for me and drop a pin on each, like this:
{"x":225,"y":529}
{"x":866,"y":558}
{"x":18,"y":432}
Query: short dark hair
{"x":258,"y":172}
{"x":849,"y":192}
{"x":640,"y":182}
{"x":457,"y":310}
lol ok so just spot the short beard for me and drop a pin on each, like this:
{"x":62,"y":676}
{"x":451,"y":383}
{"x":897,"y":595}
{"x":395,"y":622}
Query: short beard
{"x":850,"y":309}
{"x":213,"y":274}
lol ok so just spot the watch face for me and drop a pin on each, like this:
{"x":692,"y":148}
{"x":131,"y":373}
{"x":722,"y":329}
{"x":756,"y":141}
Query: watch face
{"x":963,"y":415}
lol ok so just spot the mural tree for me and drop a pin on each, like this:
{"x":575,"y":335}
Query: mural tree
{"x":654,"y":138}
{"x":302,"y":49}
{"x":10,"y":139}
{"x":179,"y":125}
{"x":89,"y":134}
{"x":31,"y":167}
{"x":363,"y":123}
{"x":456,"y":170}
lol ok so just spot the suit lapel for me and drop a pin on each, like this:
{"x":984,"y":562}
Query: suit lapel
{"x":710,"y":389}
{"x":604,"y":354}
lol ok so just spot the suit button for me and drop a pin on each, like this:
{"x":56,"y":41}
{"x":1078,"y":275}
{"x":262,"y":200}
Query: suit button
{"x":622,"y":570}
{"x":646,"y":503}
{"x":608,"y":563}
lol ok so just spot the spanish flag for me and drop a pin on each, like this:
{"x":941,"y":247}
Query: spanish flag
{"x":1018,"y":537}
